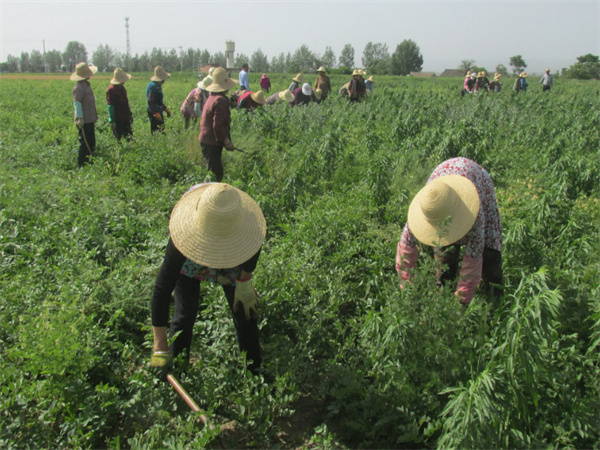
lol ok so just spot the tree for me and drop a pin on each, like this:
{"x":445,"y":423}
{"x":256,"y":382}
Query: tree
{"x":328,"y":58}
{"x":11,"y":65}
{"x":259,"y":61}
{"x":407,"y":58}
{"x":204,"y":58}
{"x":376,"y":58}
{"x":278,"y":63}
{"x":502,"y":70}
{"x":518,"y":64}
{"x":587,"y":67}
{"x":240,"y":60}
{"x":218,"y":59}
{"x":53,"y":61}
{"x":465,"y":65}
{"x":24,"y":62}
{"x":104,"y":58}
{"x":304,"y":59}
{"x":74,"y":53}
{"x":36,"y":62}
{"x":347,"y":56}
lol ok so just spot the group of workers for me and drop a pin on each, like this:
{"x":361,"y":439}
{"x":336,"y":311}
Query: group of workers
{"x":216,"y":231}
{"x":478,"y":81}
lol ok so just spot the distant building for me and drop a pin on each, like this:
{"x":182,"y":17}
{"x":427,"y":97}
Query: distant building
{"x":452,"y":73}
{"x":422,"y":74}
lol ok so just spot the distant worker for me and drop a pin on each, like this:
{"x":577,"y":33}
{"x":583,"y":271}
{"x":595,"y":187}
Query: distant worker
{"x":546,"y":81}
{"x":155,"y":101}
{"x":215,"y":122}
{"x":265,"y":83}
{"x":469,"y":84}
{"x":192,"y":106}
{"x":285,"y":96}
{"x":369,"y":84}
{"x":495,"y":85}
{"x":482,"y":82}
{"x":357,"y":89}
{"x":323,"y":83}
{"x":85,"y":115}
{"x":243,"y":78}
{"x":251,"y":100}
{"x":119,"y":113}
{"x":302,"y":95}
{"x":344,"y":90}
{"x":457,"y":207}
{"x":521,"y":83}
{"x":296,"y":82}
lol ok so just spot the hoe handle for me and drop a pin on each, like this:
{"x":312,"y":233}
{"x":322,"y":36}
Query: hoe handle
{"x":181,"y":391}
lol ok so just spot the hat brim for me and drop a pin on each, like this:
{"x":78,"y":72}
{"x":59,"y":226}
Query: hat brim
{"x":207,"y":247}
{"x":228,"y":84}
{"x":258,"y":98}
{"x":115,"y":81}
{"x":77,"y":77}
{"x":463,"y":217}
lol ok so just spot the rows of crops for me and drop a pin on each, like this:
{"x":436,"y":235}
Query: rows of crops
{"x":355,"y":361}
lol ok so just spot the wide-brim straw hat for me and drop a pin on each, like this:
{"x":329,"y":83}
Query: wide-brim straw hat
{"x":258,"y":97}
{"x":217,"y":225}
{"x":286,"y":96}
{"x":371,"y":79}
{"x":83,"y":71}
{"x":205,"y":82}
{"x":355,"y":72}
{"x":444,"y":210}
{"x":119,"y":76}
{"x":298,"y":78}
{"x":160,"y":74}
{"x":524,"y":75}
{"x":220,"y":81}
{"x":306,"y":89}
{"x":321,"y":69}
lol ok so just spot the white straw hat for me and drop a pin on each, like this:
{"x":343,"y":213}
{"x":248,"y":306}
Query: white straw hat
{"x":160,"y":74}
{"x":306,"y":89}
{"x":220,"y":81}
{"x":321,"y":69}
{"x":119,"y":76}
{"x":83,"y":71}
{"x":205,"y":82}
{"x":451,"y":196}
{"x":217,"y":225}
{"x":258,"y":97}
{"x":286,"y":96}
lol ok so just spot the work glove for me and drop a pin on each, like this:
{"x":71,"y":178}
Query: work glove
{"x":79,"y":122}
{"x":158,"y":117}
{"x":168,"y":112}
{"x":246,"y":295}
{"x":160,"y":364}
{"x":229,"y":145}
{"x":113,"y":126}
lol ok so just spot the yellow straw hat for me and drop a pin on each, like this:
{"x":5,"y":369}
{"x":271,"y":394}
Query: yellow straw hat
{"x":217,"y":225}
{"x":524,"y":75}
{"x":321,"y":69}
{"x":83,"y":71}
{"x":371,"y":79}
{"x":206,"y":81}
{"x":220,"y":81}
{"x":286,"y":96}
{"x":119,"y":76}
{"x":451,"y":196}
{"x":298,"y":78}
{"x":258,"y":97}
{"x":160,"y":74}
{"x":356,"y":72}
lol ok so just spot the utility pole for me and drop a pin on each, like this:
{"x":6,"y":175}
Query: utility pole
{"x":45,"y":63}
{"x":128,"y":56}
{"x":180,"y":58}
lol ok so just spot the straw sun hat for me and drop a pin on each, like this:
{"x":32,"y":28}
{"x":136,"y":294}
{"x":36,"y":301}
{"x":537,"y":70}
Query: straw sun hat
{"x":451,"y":196}
{"x":258,"y":97}
{"x":83,"y":72}
{"x":160,"y":74}
{"x":220,"y":81}
{"x":217,"y":225}
{"x":321,"y":69}
{"x":298,"y":78}
{"x":119,"y":76}
{"x":205,"y":82}
{"x":286,"y":96}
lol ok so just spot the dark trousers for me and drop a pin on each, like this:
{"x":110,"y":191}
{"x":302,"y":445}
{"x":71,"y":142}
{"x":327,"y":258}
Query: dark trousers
{"x":122,"y":129}
{"x":87,"y":143}
{"x":491,"y":273}
{"x":155,"y":124}
{"x":545,"y":88}
{"x":212,"y":157}
{"x":187,"y":302}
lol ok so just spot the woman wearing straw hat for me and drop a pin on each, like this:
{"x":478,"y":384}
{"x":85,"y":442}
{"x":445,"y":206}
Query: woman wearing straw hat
{"x":285,"y":96}
{"x":85,"y":111}
{"x":302,"y":95}
{"x":251,"y":100}
{"x":191,"y":107}
{"x":482,"y":82}
{"x":296,"y":82}
{"x":216,"y":233}
{"x":457,"y":207}
{"x":154,"y":96}
{"x":369,"y":84}
{"x":357,"y":89}
{"x":215,"y":122}
{"x":119,"y":113}
{"x":521,"y":83}
{"x":495,"y":85}
{"x":323,"y":83}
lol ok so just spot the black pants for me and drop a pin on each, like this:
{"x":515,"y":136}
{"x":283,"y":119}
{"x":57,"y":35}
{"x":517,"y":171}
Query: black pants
{"x":187,"y":302}
{"x":122,"y":129}
{"x":212,"y":157}
{"x":87,"y":143}
{"x":491,"y":273}
{"x":155,"y":124}
{"x":545,"y":88}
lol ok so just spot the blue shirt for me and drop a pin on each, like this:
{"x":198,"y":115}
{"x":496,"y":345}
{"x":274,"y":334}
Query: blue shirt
{"x":243,"y":79}
{"x":154,"y":96}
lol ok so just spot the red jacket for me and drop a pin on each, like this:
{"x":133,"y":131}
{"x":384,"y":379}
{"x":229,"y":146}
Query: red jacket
{"x":216,"y":120}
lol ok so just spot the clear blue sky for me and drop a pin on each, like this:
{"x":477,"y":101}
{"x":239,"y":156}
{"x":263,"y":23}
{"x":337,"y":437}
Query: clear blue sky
{"x":546,"y":33}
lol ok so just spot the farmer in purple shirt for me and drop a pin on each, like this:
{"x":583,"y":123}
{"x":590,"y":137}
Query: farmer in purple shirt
{"x":85,"y":111}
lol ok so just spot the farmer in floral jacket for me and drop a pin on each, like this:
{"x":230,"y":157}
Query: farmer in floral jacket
{"x":457,"y":207}
{"x":216,"y":233}
{"x":119,"y":113}
{"x":85,"y":111}
{"x":192,"y":106}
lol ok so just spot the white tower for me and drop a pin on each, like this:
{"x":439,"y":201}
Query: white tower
{"x":229,"y":49}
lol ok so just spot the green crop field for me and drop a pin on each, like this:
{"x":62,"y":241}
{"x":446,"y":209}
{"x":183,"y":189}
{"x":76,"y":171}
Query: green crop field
{"x":352,"y":360}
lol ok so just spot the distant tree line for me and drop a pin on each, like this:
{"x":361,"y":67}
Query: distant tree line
{"x":376,"y":59}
